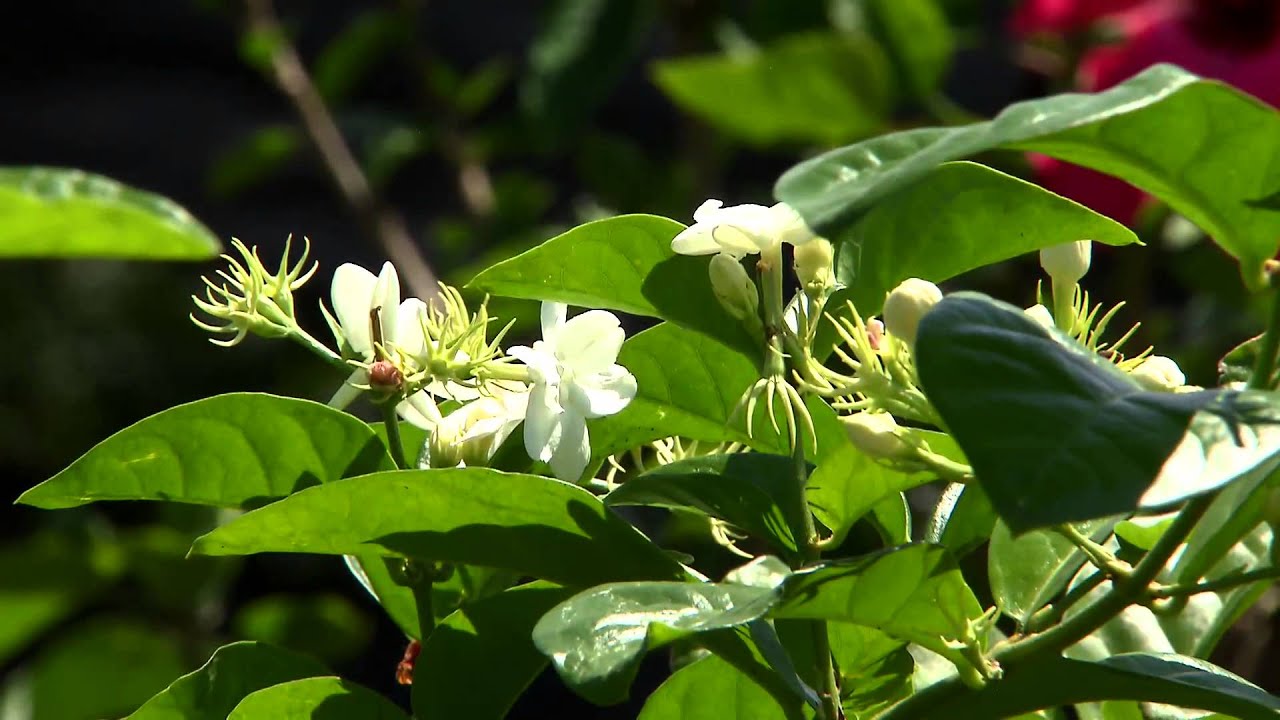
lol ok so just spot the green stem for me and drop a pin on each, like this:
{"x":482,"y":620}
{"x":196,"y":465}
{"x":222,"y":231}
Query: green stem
{"x":308,"y":341}
{"x":1123,"y":592}
{"x":1064,"y":309}
{"x":1101,"y":557}
{"x":830,"y":691}
{"x":771,"y":279}
{"x":418,"y":577}
{"x":394,"y":444}
{"x":1265,"y":366}
{"x":1223,"y":583}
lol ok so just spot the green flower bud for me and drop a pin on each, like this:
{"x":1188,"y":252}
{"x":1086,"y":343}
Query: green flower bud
{"x":1159,"y":373}
{"x":1067,"y":263}
{"x":733,"y":287}
{"x":813,"y":263}
{"x":877,"y":435}
{"x":906,"y":305}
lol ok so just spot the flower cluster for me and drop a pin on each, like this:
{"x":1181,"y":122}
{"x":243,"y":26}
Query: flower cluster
{"x":411,"y":355}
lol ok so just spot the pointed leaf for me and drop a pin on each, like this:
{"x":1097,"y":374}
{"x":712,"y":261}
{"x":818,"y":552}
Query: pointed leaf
{"x":238,"y":451}
{"x":58,"y":212}
{"x":1030,"y":570}
{"x":530,"y":524}
{"x":753,"y":491}
{"x":1057,"y":434}
{"x":710,"y":689}
{"x":1213,"y":165}
{"x":234,"y":671}
{"x":317,"y":698}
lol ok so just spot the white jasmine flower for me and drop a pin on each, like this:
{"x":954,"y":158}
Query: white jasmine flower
{"x":575,"y":377}
{"x":1159,"y":373}
{"x":1067,"y":263}
{"x":1040,"y":314}
{"x":906,"y":305}
{"x":740,"y":230}
{"x":472,"y":434}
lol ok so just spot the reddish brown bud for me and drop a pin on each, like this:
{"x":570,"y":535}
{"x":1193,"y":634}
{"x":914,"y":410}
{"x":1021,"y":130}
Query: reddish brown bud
{"x":384,"y":375}
{"x":404,"y":671}
{"x":875,"y":333}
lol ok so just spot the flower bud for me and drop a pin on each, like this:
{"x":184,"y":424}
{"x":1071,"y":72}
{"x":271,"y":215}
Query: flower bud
{"x":875,"y":334}
{"x":813,"y":262}
{"x":733,"y":287}
{"x":1040,"y":314}
{"x":1159,"y":373}
{"x":906,"y":305}
{"x":385,"y":376}
{"x":1066,"y":263}
{"x":471,"y":434}
{"x":877,"y":435}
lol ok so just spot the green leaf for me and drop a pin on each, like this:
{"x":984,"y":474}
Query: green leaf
{"x":529,"y":524}
{"x":620,"y":263}
{"x":710,"y":689}
{"x":848,"y":485}
{"x":234,"y":671}
{"x":62,"y":213}
{"x":1201,"y":146}
{"x":48,"y":576}
{"x":412,"y":438}
{"x":1030,"y":570}
{"x":821,"y":87}
{"x":238,"y":451}
{"x":254,"y":159}
{"x":891,"y":517}
{"x":1057,"y":434}
{"x":963,"y":519}
{"x":465,"y":645}
{"x":317,"y":698}
{"x":1232,"y":515}
{"x":365,"y":40}
{"x":754,"y":492}
{"x":875,"y":669}
{"x":580,"y":52}
{"x":325,"y":626}
{"x":917,"y":39}
{"x":596,"y":638}
{"x":1169,"y":679}
{"x":1238,"y":364}
{"x":105,"y":667}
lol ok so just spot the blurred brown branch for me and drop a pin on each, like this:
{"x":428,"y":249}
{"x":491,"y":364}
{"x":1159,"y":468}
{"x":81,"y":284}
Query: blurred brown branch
{"x":382,"y":223}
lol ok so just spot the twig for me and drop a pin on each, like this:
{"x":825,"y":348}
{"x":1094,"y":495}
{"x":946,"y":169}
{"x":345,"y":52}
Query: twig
{"x":382,"y":223}
{"x":1223,"y":583}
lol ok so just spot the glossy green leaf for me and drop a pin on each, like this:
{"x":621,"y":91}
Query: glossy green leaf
{"x":620,"y":263}
{"x":238,"y":450}
{"x":917,"y":39}
{"x":819,"y":87}
{"x":104,"y":667}
{"x":1169,"y":679}
{"x":324,"y":626}
{"x":1201,"y":146}
{"x":1030,"y":570}
{"x":847,"y":485}
{"x":875,"y":669}
{"x":710,"y":689}
{"x":533,"y":525}
{"x":317,"y":698}
{"x":1232,"y":515}
{"x":596,"y":638}
{"x":962,"y":520}
{"x":234,"y":671}
{"x":754,"y":492}
{"x":463,"y":647}
{"x":47,"y":577}
{"x":62,"y":213}
{"x":1057,"y":434}
{"x":891,"y":517}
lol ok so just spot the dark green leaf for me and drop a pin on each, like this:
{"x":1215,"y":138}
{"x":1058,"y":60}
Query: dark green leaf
{"x":364,"y":41}
{"x":1169,"y":679}
{"x":529,"y":524}
{"x":56,"y":212}
{"x":1211,"y":163}
{"x":317,"y":698}
{"x":847,"y":485}
{"x":824,"y":87}
{"x":233,"y":672}
{"x":621,"y":263}
{"x":754,"y":492}
{"x":1237,"y":365}
{"x":962,"y":520}
{"x":323,"y":626}
{"x":875,"y":669}
{"x":105,"y":667}
{"x":1030,"y":570}
{"x":917,"y":38}
{"x":254,"y":159}
{"x":238,"y":450}
{"x":1056,"y":434}
{"x":465,"y":646}
{"x":710,"y":689}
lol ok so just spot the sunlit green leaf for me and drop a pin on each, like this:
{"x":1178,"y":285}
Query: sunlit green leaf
{"x":848,"y":484}
{"x":1028,"y":571}
{"x":57,"y":212}
{"x":710,"y":689}
{"x":238,"y":450}
{"x":317,"y":698}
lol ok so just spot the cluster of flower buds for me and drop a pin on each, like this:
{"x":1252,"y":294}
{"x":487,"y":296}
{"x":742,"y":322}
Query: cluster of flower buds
{"x":252,"y":299}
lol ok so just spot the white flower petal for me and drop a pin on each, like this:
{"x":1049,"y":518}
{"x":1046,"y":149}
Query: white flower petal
{"x":572,"y":448}
{"x":589,"y":343}
{"x":790,"y":227}
{"x":543,"y":366}
{"x":541,"y":422}
{"x":707,"y":210}
{"x":420,"y":410}
{"x":605,"y":393}
{"x":352,"y":296}
{"x":553,"y":315}
{"x":348,"y":392}
{"x":696,"y":240}
{"x":386,"y":297}
{"x":408,"y":326}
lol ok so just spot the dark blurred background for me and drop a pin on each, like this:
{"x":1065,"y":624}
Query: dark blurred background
{"x":486,"y":126}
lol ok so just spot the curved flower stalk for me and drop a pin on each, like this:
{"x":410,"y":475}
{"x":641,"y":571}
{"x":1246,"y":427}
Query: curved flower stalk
{"x":575,"y":377}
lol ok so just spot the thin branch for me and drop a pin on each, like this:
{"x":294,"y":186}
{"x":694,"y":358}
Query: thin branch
{"x":1223,"y":583}
{"x":382,"y":223}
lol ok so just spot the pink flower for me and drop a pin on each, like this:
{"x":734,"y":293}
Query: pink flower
{"x":1063,"y":16}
